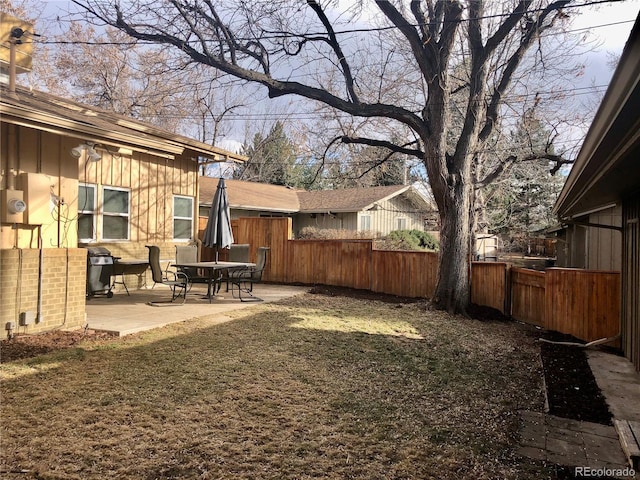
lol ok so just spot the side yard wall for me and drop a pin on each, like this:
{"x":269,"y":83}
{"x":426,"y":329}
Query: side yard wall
{"x":63,"y":288}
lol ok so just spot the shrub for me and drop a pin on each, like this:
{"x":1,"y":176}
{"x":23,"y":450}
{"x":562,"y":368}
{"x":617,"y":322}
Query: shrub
{"x":314,"y":233}
{"x":396,"y":240}
{"x":409,"y":240}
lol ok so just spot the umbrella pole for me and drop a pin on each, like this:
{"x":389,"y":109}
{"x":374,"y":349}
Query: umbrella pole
{"x":217,"y":252}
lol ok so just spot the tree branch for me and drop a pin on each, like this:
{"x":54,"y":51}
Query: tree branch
{"x":335,"y":45}
{"x":426,"y":61}
{"x":558,"y":161}
{"x":534,"y":28}
{"x":384,"y":144}
{"x":276,"y":88}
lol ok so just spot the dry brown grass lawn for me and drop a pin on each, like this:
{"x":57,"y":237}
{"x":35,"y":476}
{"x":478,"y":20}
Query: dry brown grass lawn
{"x":312,"y":387}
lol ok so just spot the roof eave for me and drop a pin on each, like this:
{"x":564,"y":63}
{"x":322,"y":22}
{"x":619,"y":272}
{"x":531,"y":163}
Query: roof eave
{"x":142,"y":137}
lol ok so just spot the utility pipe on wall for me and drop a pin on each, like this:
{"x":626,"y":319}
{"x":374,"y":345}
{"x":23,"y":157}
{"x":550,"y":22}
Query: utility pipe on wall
{"x":40,"y":273}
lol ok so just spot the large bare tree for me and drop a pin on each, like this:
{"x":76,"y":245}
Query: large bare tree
{"x":394,"y":60}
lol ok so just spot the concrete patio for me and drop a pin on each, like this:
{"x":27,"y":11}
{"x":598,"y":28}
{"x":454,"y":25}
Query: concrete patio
{"x":126,"y":314}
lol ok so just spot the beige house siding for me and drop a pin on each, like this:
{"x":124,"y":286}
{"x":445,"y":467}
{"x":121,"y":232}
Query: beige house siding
{"x":235,"y":214}
{"x":386,"y":217}
{"x":48,"y":177}
{"x":338,"y":221}
{"x":590,"y":247}
{"x":152,"y":182}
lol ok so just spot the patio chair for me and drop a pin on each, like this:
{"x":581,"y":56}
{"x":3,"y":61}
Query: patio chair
{"x":238,"y":252}
{"x":189,"y":254}
{"x":178,"y":283}
{"x":244,"y":278}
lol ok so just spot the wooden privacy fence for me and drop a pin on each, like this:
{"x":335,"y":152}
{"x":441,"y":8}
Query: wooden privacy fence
{"x":583,"y":303}
{"x":489,"y":285}
{"x":344,"y":263}
{"x":406,"y":274}
{"x":528,"y":289}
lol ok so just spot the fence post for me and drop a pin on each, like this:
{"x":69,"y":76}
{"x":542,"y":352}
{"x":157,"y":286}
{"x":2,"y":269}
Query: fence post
{"x":507,"y":290}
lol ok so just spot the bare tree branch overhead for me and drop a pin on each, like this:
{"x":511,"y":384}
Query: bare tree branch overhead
{"x":446,"y":70}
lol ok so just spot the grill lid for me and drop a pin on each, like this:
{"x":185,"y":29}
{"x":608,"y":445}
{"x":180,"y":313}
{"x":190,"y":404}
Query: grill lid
{"x":98,"y":252}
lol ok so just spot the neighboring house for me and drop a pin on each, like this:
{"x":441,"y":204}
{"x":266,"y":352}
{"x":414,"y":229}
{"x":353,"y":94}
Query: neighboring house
{"x":374,"y":209}
{"x":250,"y":199}
{"x":87,"y":177}
{"x":600,"y":201}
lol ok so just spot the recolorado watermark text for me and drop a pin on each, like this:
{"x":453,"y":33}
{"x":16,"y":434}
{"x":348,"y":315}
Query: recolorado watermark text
{"x":605,"y":472}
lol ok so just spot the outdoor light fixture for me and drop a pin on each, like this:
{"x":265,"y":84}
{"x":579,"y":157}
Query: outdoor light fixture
{"x":88,"y":147}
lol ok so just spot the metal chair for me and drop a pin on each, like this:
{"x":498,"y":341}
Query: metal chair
{"x":245,"y":278}
{"x":178,"y":284}
{"x":189,"y":254}
{"x":238,"y":252}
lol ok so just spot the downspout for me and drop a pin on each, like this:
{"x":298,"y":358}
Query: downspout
{"x":583,"y":345}
{"x":40,"y":274}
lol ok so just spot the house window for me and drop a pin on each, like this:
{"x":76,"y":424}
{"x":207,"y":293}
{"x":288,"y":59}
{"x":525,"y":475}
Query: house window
{"x":401,"y":223}
{"x":182,"y":217}
{"x":86,"y":213}
{"x":365,"y":223}
{"x":115,"y":213}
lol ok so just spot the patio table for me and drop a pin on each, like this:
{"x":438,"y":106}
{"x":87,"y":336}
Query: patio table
{"x":124,"y":267}
{"x":211,"y":268}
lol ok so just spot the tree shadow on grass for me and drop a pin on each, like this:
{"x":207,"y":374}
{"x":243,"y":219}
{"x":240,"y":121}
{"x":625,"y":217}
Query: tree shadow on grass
{"x":391,"y":391}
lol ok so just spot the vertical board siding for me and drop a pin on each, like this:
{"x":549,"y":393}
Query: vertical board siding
{"x":528,"y":295}
{"x":489,"y":285}
{"x":631,"y":279}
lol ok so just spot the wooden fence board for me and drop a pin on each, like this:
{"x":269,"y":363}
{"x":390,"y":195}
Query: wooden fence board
{"x":489,"y":285}
{"x":528,"y":296}
{"x":407,"y":274}
{"x":582,"y":303}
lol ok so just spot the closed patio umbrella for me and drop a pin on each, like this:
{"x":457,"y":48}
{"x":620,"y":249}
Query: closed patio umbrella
{"x":217,"y":233}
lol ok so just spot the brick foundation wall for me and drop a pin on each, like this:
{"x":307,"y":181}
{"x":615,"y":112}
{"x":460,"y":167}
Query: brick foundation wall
{"x":63,"y":288}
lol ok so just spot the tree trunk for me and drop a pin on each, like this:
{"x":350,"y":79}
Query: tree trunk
{"x":452,"y":289}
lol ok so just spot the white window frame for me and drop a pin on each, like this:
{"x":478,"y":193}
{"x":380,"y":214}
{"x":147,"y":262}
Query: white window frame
{"x":92,"y":211}
{"x":176,"y":217}
{"x":126,"y":215}
{"x":401,"y":223}
{"x":365,"y":219}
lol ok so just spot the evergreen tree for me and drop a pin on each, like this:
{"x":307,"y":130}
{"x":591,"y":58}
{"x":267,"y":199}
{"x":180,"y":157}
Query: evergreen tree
{"x":522,"y":201}
{"x":272,"y":159}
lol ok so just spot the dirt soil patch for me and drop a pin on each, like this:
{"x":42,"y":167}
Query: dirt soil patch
{"x":572,"y":391}
{"x":28,"y":346}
